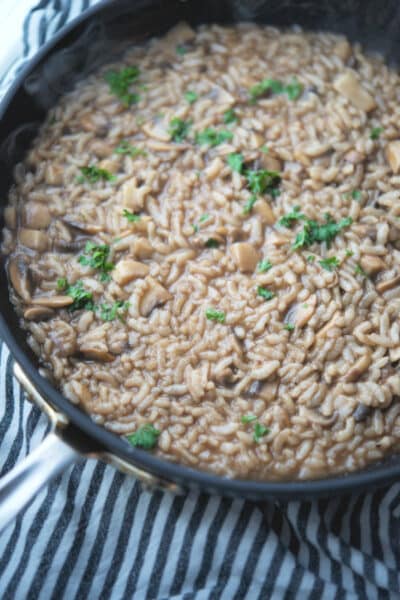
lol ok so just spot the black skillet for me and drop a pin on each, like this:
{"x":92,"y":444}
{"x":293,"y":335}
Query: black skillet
{"x":70,"y":55}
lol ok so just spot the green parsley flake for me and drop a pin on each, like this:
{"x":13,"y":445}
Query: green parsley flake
{"x":212,"y":243}
{"x":290,"y":218}
{"x":259,"y":432}
{"x":109,"y":312}
{"x":248,"y":419}
{"x":356,"y":195}
{"x":264,"y":149}
{"x":265,"y":293}
{"x":96,"y":257}
{"x":262,"y":181}
{"x":179,"y":129}
{"x":191,"y":96}
{"x":273,"y":86}
{"x":144,"y":437}
{"x":248,"y":207}
{"x":82,"y":299}
{"x":360,"y":271}
{"x":329,"y":264}
{"x":230,"y":116}
{"x":375,"y":133}
{"x":311,"y":258}
{"x":212,"y":137}
{"x":181,"y":50}
{"x":264,"y":266}
{"x":215,"y":315}
{"x":315,"y":232}
{"x":125,"y":147}
{"x":195,"y":228}
{"x":120,"y":82}
{"x":62,"y":283}
{"x":93,"y":174}
{"x":204,"y":217}
{"x":235,"y":161}
{"x":132,"y":218}
{"x":349,"y":252}
{"x":289,"y":327}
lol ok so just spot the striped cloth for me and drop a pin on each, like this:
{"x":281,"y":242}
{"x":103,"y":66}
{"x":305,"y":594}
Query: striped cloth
{"x":93,"y":534}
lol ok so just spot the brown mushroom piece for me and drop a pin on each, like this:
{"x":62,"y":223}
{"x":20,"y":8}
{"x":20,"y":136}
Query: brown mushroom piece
{"x":70,"y":246}
{"x":52,"y":301}
{"x":350,"y":87}
{"x":126,"y":270}
{"x":388,"y":284}
{"x":38,"y":313}
{"x":266,"y":161}
{"x":264,"y":211}
{"x":33,"y":238}
{"x":36,"y":215}
{"x":245,"y":256}
{"x":393,"y":155}
{"x":96,"y":352}
{"x":19,"y":274}
{"x":359,"y":367}
{"x":372,"y":264}
{"x":90,"y":228}
{"x":255,"y":388}
{"x":361,"y":413}
{"x":155,"y":295}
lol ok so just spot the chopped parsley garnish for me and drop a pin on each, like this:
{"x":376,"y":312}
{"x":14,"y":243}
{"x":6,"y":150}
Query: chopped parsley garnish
{"x":93,"y":174}
{"x":360,"y":271}
{"x":195,"y":228}
{"x":179,"y":129}
{"x":215,"y":315}
{"x":212,"y":243}
{"x":375,"y":133}
{"x":201,"y":220}
{"x":248,"y":207}
{"x":125,"y":147}
{"x":180,"y":50}
{"x":230,"y":116}
{"x":356,"y":195}
{"x":292,"y":217}
{"x":259,"y":431}
{"x":262,"y":181}
{"x":235,"y":160}
{"x":144,"y":437}
{"x":264,"y":149}
{"x":349,"y":252}
{"x":273,"y":86}
{"x":265,"y":293}
{"x":248,"y":419}
{"x":62,"y":283}
{"x":97,"y":257}
{"x":289,"y":327}
{"x":311,"y":258}
{"x":264,"y":266}
{"x":329,"y":263}
{"x":315,"y":232}
{"x":191,"y":96}
{"x":109,"y":312}
{"x":81,"y":297}
{"x":132,"y":218}
{"x":120,"y":82}
{"x":212,"y":137}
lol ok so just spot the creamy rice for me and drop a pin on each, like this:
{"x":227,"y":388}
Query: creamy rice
{"x":256,"y":347}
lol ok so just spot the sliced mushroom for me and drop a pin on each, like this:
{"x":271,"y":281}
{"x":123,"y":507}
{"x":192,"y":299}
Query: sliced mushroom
{"x":388,"y":284}
{"x":393,"y":155}
{"x":155,"y":295}
{"x":33,"y":238}
{"x":36,"y":215}
{"x":142,"y":248}
{"x":305,"y":311}
{"x":133,"y":197}
{"x":97,"y":352}
{"x":263,"y":210}
{"x":362,"y":412}
{"x":18,"y":272}
{"x":245,"y":256}
{"x":90,"y":228}
{"x":94,"y":123}
{"x":360,"y":366}
{"x":269,"y":162}
{"x":38,"y":313}
{"x":52,"y":301}
{"x":10,"y":217}
{"x":255,"y":388}
{"x":372,"y":264}
{"x":343,"y":50}
{"x":101,"y":148}
{"x":349,"y":86}
{"x":70,"y":246}
{"x":126,"y":270}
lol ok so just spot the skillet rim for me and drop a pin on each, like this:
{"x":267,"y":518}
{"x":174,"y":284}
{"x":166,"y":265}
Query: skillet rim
{"x":375,"y":475}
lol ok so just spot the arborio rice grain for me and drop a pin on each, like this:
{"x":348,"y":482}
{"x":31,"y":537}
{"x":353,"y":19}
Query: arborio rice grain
{"x":256,"y":348}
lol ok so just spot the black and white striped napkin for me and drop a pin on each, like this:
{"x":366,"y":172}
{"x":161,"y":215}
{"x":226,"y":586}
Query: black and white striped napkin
{"x":94,"y":535}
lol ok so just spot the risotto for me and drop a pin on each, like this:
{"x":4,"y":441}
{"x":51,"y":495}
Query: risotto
{"x":203,"y":246}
